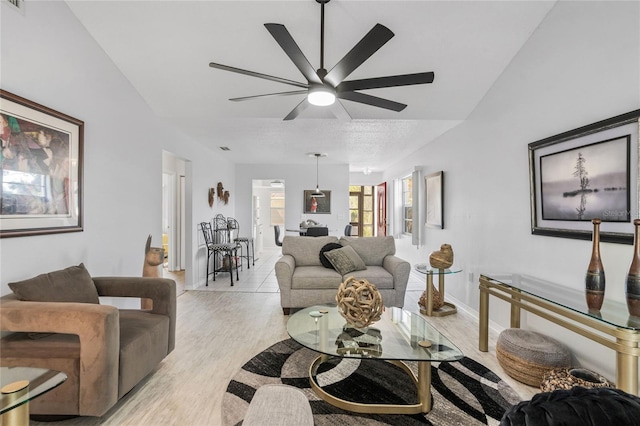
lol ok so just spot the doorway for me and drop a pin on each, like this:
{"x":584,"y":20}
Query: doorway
{"x":381,"y":220}
{"x":268,"y":197}
{"x":361,"y":212}
{"x":175,"y":211}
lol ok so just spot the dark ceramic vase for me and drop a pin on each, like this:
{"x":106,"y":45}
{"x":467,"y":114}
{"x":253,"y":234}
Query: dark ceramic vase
{"x":595,"y":281}
{"x":633,"y":277}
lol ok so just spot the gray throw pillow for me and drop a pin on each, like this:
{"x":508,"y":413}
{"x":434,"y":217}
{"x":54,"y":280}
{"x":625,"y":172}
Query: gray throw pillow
{"x":73,"y":284}
{"x":328,"y":247}
{"x":345,"y":260}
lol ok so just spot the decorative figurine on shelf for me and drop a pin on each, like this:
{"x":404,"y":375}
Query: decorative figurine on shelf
{"x":443,"y":258}
{"x":153,"y":258}
{"x":595,"y":281}
{"x":633,"y":277}
{"x":359,"y":302}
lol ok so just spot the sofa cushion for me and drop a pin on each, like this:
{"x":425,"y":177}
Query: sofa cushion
{"x":372,"y":250}
{"x":315,"y":277}
{"x":143,"y":344}
{"x":72,"y":284}
{"x":305,"y":250}
{"x":376,"y":275}
{"x":345,"y":260}
{"x":327,"y":247}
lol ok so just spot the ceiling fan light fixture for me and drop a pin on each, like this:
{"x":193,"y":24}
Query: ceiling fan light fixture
{"x":321,"y":95}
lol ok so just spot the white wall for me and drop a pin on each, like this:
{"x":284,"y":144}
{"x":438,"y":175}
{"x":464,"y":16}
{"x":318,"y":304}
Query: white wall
{"x":49,"y":58}
{"x":580,"y":66}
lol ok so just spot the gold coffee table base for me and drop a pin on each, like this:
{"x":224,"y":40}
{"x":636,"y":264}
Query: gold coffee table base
{"x":422,"y":383}
{"x":19,"y":416}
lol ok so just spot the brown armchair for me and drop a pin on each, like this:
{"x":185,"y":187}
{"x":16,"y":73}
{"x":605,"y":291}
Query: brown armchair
{"x":105,"y":351}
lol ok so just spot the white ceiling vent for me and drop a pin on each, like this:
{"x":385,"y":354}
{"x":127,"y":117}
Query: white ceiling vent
{"x":17,"y":5}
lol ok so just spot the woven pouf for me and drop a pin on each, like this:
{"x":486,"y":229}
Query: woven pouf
{"x":527,"y":356}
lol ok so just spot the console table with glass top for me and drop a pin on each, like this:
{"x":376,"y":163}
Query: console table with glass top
{"x":447,"y":308}
{"x":19,"y":386}
{"x":612,"y":326}
{"x":397,"y":337}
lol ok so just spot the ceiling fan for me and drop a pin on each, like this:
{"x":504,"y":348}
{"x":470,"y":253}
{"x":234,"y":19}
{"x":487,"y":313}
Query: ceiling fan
{"x":322,"y":86}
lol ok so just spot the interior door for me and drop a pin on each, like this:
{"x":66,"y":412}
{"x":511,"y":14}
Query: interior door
{"x":381,"y":193}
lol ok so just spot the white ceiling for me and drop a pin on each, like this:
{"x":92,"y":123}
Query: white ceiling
{"x":164,"y":48}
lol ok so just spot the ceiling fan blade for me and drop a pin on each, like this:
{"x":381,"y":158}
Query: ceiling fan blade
{"x":247,"y":98}
{"x":257,"y":74}
{"x":288,"y":44}
{"x":372,"y":100}
{"x":370,"y":43}
{"x":389,"y":81}
{"x":297,"y":110}
{"x":340,"y":111}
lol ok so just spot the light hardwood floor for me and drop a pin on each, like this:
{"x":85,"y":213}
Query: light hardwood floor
{"x":220,"y":327}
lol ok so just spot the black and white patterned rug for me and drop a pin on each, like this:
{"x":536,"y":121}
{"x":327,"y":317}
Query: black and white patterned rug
{"x":464,"y":392}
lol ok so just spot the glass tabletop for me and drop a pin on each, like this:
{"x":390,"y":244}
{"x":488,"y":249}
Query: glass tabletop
{"x":612,"y":313}
{"x":398,"y":335}
{"x":41,"y":380}
{"x":425,"y":268}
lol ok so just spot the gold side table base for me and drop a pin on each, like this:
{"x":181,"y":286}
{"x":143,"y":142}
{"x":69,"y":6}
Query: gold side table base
{"x":18,"y":416}
{"x":422,"y":383}
{"x":446,"y":309}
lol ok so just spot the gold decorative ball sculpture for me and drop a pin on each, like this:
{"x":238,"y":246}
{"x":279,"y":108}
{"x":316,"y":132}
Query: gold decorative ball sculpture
{"x":443,"y":258}
{"x":359,"y":302}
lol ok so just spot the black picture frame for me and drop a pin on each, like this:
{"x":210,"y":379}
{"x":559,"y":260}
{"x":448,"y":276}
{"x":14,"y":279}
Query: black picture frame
{"x":592,"y":171}
{"x":42,"y":169}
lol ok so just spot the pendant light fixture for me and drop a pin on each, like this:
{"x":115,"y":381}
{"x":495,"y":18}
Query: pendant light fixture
{"x":317,"y":193}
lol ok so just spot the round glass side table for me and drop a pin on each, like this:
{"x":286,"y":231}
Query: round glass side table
{"x":447,"y":307}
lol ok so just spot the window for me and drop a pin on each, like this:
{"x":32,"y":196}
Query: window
{"x":276,"y":207}
{"x":407,"y":205}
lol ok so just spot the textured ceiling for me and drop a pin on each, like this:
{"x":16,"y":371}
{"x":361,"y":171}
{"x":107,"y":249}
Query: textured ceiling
{"x":164,"y":48}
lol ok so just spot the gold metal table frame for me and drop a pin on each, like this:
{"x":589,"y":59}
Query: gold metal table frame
{"x":611,"y":327}
{"x":422,"y":383}
{"x":398,"y":337}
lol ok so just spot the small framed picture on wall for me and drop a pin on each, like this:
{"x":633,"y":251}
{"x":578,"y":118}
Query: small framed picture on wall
{"x":317,"y":205}
{"x":434,"y":196}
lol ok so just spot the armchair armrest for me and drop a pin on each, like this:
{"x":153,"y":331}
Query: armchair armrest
{"x":161,"y":290}
{"x":98,"y":328}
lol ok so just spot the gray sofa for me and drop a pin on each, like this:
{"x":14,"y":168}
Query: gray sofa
{"x":304,"y":281}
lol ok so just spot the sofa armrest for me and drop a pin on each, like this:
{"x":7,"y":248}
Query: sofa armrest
{"x":285,"y":266}
{"x":98,"y":328}
{"x":161,"y":290}
{"x":400,"y":269}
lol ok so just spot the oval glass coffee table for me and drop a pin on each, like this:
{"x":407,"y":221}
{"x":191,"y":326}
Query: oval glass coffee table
{"x":399,"y":336}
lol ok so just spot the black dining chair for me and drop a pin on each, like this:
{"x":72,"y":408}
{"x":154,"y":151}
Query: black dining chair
{"x":317,"y":231}
{"x":225,"y":250}
{"x":276,"y":233}
{"x":347,"y":230}
{"x":244,"y":242}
